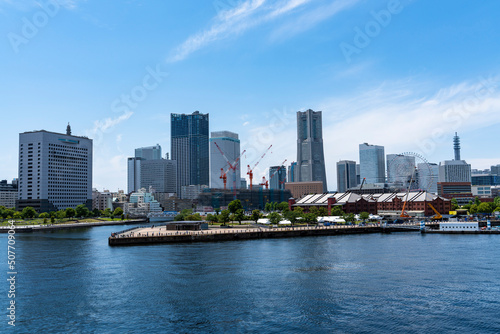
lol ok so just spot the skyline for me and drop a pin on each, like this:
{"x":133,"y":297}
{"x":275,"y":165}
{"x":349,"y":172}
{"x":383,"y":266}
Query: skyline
{"x":425,"y":73}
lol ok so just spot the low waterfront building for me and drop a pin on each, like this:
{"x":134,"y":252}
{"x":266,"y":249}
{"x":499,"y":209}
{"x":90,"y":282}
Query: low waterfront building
{"x":141,"y":203}
{"x":350,"y":202}
{"x":8,"y":194}
{"x":459,"y":226}
{"x":461,"y":191}
{"x":299,"y":189}
{"x":102,"y":200}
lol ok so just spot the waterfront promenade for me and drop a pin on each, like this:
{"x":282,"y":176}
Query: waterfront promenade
{"x":160,"y":234}
{"x":49,"y":227}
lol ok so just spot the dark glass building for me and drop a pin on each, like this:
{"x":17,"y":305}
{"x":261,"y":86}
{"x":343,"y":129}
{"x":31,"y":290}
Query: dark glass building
{"x":310,"y":155}
{"x":190,"y":148}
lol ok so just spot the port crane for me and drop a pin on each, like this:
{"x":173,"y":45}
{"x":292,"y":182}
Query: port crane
{"x":404,"y":214}
{"x":250,"y":170}
{"x":438,"y":216}
{"x":232,"y":166}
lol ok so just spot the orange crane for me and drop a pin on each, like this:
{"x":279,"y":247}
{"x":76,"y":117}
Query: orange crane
{"x":250,"y":170}
{"x":223,"y":176}
{"x":232,"y":166}
{"x":438,"y":216}
{"x":264,"y":183}
{"x":275,"y":172}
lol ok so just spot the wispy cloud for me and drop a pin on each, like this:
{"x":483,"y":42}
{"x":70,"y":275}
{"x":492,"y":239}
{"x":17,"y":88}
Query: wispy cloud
{"x":253,"y":13}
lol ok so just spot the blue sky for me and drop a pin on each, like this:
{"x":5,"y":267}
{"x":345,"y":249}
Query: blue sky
{"x":403,"y":74}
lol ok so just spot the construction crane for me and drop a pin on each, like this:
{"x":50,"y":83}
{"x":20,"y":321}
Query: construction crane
{"x":275,"y":172}
{"x":404,"y":214}
{"x":264,"y":183}
{"x":232,"y":166}
{"x":250,"y":170}
{"x":438,"y":216}
{"x":223,"y":176}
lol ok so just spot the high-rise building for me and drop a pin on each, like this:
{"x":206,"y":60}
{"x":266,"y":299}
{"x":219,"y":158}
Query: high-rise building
{"x":229,"y":144}
{"x":428,"y":176}
{"x":8,"y":194}
{"x":133,"y":174}
{"x":372,"y":163}
{"x":55,"y":171}
{"x":456,"y":146}
{"x":346,"y":175}
{"x":454,"y":171}
{"x":358,"y":174}
{"x":310,"y":154}
{"x":495,"y":170}
{"x":190,"y":148}
{"x":401,"y":170}
{"x":160,"y":174}
{"x":292,"y":172}
{"x":149,"y":153}
{"x":277,"y":177}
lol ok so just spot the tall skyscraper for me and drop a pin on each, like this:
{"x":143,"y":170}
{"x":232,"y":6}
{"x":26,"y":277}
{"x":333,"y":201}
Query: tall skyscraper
{"x":346,"y":175}
{"x":292,"y":172}
{"x":159,"y":174}
{"x":55,"y":171}
{"x":372,"y":163}
{"x":277,"y":177}
{"x":229,"y":143}
{"x":455,"y":170}
{"x":133,"y":174}
{"x":149,"y":153}
{"x":310,"y":155}
{"x":428,"y":175}
{"x":134,"y":165}
{"x":401,"y":170}
{"x":190,"y":148}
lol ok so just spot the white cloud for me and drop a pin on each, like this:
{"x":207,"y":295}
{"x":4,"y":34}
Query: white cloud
{"x":252,"y":13}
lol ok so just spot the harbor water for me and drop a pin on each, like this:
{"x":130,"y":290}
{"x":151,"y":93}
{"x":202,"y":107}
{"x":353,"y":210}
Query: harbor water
{"x":71,"y":281}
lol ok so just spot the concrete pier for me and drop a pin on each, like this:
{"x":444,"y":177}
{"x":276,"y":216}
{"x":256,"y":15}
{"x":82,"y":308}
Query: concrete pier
{"x":150,"y":235}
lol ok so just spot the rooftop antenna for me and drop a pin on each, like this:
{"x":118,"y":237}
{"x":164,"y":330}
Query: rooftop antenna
{"x":68,"y":130}
{"x":456,"y":146}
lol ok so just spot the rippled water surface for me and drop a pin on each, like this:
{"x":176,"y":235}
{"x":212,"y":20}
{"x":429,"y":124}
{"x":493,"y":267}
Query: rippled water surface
{"x":72,"y":281}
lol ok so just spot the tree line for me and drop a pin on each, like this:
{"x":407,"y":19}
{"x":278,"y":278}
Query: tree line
{"x":81,"y":211}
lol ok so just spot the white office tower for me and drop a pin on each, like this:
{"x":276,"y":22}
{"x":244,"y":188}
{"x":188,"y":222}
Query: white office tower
{"x":55,"y":171}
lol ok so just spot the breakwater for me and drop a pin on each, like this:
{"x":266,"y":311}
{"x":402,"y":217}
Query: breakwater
{"x":144,"y":236}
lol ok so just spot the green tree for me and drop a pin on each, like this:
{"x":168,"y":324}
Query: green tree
{"x":212,"y":218}
{"x":122,"y":217}
{"x":293,"y":216}
{"x":323,"y":212}
{"x":337,"y":211}
{"x":81,"y":211}
{"x":364,"y":216}
{"x":349,"y":217}
{"x":255,"y":215}
{"x":224,"y":217}
{"x":315,"y":211}
{"x":96,"y":212}
{"x":193,"y":217}
{"x":477,"y":201}
{"x":497,"y":201}
{"x":107,"y":213}
{"x":454,"y":204}
{"x":310,"y":218}
{"x":217,"y":211}
{"x":61,"y":214}
{"x":9,"y":213}
{"x":473,"y":209}
{"x":282,"y":206}
{"x":52,"y":219}
{"x":118,"y":212}
{"x":44,"y":215}
{"x":70,"y":213}
{"x":239,"y":215}
{"x":268,"y":207}
{"x":234,"y":206}
{"x":17,"y":215}
{"x":28,"y":212}
{"x":483,"y":208}
{"x":274,"y":218}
